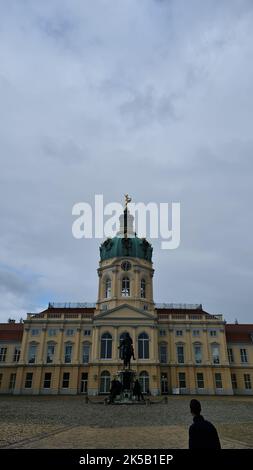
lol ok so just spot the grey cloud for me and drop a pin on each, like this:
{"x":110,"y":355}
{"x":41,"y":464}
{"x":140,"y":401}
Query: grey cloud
{"x":150,"y":98}
{"x":12,"y":282}
{"x":144,"y":108}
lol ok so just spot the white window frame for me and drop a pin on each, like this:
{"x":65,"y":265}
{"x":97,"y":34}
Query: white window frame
{"x":244,"y":355}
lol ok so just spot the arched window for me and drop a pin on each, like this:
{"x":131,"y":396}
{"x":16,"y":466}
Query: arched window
{"x":143,"y":346}
{"x":108,"y":288}
{"x":106,"y":346}
{"x":163,"y":353}
{"x":125,"y":287}
{"x":105,"y":380}
{"x":86,"y":353}
{"x":143,"y":289}
{"x":50,"y":352}
{"x":144,"y":381}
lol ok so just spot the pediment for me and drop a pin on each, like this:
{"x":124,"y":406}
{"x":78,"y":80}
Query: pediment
{"x":126,"y":312}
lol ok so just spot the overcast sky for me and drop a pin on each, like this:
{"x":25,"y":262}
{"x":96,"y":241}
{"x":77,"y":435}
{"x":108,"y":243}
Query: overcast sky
{"x":149,"y":97}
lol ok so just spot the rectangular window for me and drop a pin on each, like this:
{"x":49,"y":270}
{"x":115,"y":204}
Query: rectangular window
{"x":87,"y":332}
{"x":47,"y":380}
{"x":198,"y":353}
{"x":196,"y":332}
{"x":247,"y":381}
{"x":28,"y":380}
{"x":68,"y":353}
{"x":180,"y":354}
{"x":70,"y":332}
{"x":182,"y":381}
{"x":86,"y":353}
{"x":230,"y":355}
{"x":216,"y":353}
{"x":162,"y":332}
{"x":244,"y":356}
{"x":50,"y":353}
{"x":218,"y":381}
{"x":16,"y":355}
{"x":179,"y":332}
{"x":35,"y":332}
{"x":3,"y":352}
{"x":213,"y":333}
{"x":163,"y":353}
{"x":65,"y":380}
{"x":200,"y":380}
{"x":32,"y":353}
{"x":234,"y":381}
{"x":52,"y":332}
{"x":12,"y":381}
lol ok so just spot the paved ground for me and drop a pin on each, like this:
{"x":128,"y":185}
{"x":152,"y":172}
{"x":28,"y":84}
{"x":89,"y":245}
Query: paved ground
{"x":69,"y":422}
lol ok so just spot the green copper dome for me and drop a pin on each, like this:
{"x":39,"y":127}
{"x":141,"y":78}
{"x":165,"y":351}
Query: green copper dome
{"x":122,"y":247}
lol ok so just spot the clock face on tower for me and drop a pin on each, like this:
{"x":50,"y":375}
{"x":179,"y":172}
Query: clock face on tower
{"x":126,"y":266}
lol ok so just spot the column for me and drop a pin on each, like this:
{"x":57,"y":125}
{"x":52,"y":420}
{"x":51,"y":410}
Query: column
{"x":135,"y":346}
{"x":77,"y":346}
{"x":95,"y":344}
{"x":115,"y":283}
{"x":42,"y":344}
{"x":171,"y":345}
{"x":60,"y":359}
{"x":206,"y":347}
{"x":153,"y":344}
{"x":115,"y":344}
{"x":151,"y":286}
{"x":189,"y":346}
{"x":99,"y":284}
{"x":23,"y":350}
{"x":136,"y":290}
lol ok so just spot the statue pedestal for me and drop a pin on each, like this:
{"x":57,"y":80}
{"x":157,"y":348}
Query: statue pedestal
{"x":126,"y":378}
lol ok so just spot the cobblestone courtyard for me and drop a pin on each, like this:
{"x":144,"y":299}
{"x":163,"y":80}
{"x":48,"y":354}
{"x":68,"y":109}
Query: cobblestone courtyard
{"x":69,"y":422}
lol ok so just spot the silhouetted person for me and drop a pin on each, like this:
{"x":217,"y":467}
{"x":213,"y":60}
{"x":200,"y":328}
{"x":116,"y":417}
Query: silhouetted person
{"x":137,"y":390}
{"x":114,"y":390}
{"x":202,"y":433}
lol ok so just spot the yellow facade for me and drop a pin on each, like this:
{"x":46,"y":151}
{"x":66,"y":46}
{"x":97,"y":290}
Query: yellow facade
{"x":71,"y":349}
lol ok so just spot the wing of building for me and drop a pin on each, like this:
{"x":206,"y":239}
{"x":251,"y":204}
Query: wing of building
{"x":73,"y":348}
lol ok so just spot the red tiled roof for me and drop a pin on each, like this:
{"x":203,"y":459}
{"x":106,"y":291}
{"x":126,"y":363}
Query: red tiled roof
{"x":11,"y":331}
{"x":239,"y":333}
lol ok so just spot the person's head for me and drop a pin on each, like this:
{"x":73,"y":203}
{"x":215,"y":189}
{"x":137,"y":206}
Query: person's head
{"x":195,"y":407}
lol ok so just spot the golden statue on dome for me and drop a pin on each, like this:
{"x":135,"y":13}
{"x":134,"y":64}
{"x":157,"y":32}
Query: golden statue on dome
{"x":127,"y":199}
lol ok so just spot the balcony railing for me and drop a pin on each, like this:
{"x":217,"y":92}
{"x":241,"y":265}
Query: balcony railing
{"x":190,"y":317}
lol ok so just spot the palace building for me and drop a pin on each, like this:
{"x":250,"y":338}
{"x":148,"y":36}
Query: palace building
{"x":73,"y":348}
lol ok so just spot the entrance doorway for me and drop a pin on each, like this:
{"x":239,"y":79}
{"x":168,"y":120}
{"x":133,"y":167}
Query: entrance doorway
{"x":84,"y":382}
{"x":164,"y":384}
